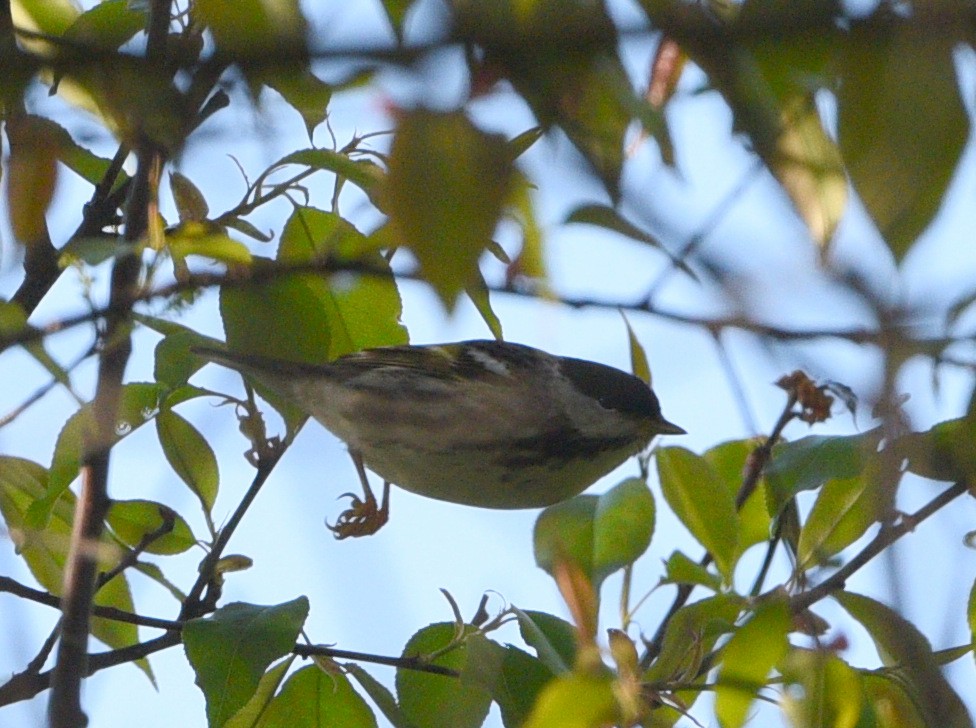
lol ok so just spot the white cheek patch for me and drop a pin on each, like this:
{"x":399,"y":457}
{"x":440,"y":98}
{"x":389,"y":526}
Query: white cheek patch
{"x":489,"y":362}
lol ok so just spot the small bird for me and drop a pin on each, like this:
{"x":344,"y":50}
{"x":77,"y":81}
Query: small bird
{"x":481,"y":423}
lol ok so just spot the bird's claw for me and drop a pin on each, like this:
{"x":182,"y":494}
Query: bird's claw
{"x":362,"y":518}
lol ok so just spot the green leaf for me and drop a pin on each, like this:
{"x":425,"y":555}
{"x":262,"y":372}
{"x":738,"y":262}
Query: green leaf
{"x":363,"y":173}
{"x":249,"y":715}
{"x":132,"y":520}
{"x":747,"y":659}
{"x":575,"y":701}
{"x":638,"y":357}
{"x":191,"y":205}
{"x":190,"y":455}
{"x":107,"y":25}
{"x":230,"y":650}
{"x":45,"y":550}
{"x":679,"y":569}
{"x":698,"y":497}
{"x":512,"y":676}
{"x":900,"y":644}
{"x":552,"y":638}
{"x":893,"y":706}
{"x":601,"y":534}
{"x":138,"y":403}
{"x":313,"y":698}
{"x":380,"y":695}
{"x":729,"y":460}
{"x":444,"y":194}
{"x":197,"y":239}
{"x":437,"y":701}
{"x":251,"y":29}
{"x":174,"y":362}
{"x":944,"y":452}
{"x":304,"y":92}
{"x":564,"y":531}
{"x":899,"y":167}
{"x":808,"y":463}
{"x":832,"y":692}
{"x":622,"y":527}
{"x":690,"y":636}
{"x":843,"y":511}
{"x":478,"y":293}
{"x":362,"y":311}
{"x":609,"y":219}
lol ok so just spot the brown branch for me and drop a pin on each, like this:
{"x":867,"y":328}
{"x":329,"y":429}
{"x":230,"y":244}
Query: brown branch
{"x":888,"y":534}
{"x":756,"y":464}
{"x":406,"y":663}
{"x":80,"y":573}
{"x":11,"y":586}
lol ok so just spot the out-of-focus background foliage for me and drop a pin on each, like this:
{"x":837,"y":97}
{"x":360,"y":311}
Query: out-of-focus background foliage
{"x":758,"y":187}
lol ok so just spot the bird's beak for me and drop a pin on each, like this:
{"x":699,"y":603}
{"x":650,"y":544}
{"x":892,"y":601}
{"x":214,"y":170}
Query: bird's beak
{"x":669,"y":428}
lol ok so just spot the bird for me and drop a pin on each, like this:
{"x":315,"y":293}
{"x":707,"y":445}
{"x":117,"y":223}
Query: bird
{"x":484,"y":423}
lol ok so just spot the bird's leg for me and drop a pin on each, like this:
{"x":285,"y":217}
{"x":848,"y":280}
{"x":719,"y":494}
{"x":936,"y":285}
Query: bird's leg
{"x":364,"y":516}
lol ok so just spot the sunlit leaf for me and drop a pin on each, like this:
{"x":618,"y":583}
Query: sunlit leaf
{"x":133,"y":520}
{"x":552,"y":638}
{"x":747,"y":660}
{"x":832,"y":695}
{"x":249,"y":715}
{"x":702,"y":502}
{"x":843,"y":511}
{"x":575,"y":701}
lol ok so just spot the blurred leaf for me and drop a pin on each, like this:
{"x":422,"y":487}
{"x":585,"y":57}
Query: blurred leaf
{"x":521,"y":143}
{"x":197,"y":239}
{"x":191,"y":206}
{"x":575,"y":701}
{"x":106,"y":26}
{"x":892,"y":705}
{"x":832,"y":692}
{"x":313,"y":698}
{"x":971,"y":615}
{"x":900,"y":644}
{"x":458,"y":704}
{"x":132,"y":520}
{"x":843,"y":511}
{"x":552,"y":638}
{"x":480,"y":297}
{"x":31,"y":178}
{"x":609,"y":219}
{"x":944,"y":452}
{"x":396,"y":13}
{"x":679,"y":569}
{"x":690,"y":636}
{"x":251,"y":29}
{"x":190,"y":456}
{"x":666,"y":69}
{"x":808,"y":463}
{"x":379,"y":694}
{"x":304,"y":92}
{"x":243,"y":226}
{"x":530,"y":261}
{"x":638,"y":357}
{"x":45,"y":549}
{"x":747,"y":659}
{"x":52,"y":17}
{"x":465,"y":175}
{"x":231,"y":649}
{"x":704,"y":505}
{"x":902,"y":123}
{"x":250,"y":714}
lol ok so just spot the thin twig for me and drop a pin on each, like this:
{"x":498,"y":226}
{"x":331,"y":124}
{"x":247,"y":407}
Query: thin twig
{"x":406,"y":663}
